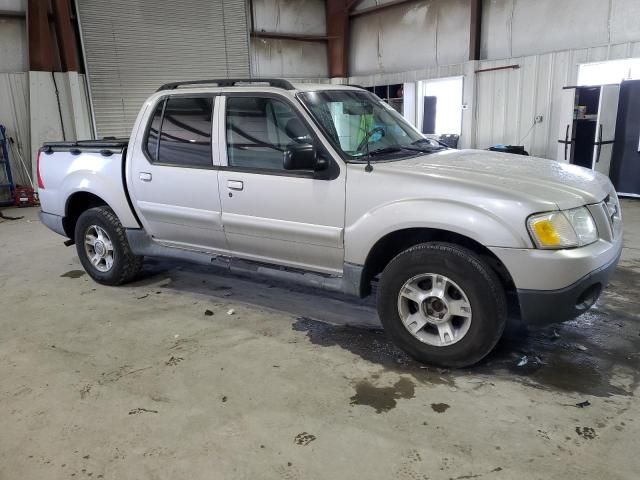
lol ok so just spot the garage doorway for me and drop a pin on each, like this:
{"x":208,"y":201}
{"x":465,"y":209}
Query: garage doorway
{"x":439,"y":104}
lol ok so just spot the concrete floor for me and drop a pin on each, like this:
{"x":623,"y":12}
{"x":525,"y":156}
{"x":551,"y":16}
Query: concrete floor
{"x":157,"y":380}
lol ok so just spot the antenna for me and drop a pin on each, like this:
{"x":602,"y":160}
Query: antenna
{"x":369,"y":167}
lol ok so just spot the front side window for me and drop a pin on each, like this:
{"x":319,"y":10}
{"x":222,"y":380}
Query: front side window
{"x":259,"y":131}
{"x":184,"y":126}
{"x":361,"y":126}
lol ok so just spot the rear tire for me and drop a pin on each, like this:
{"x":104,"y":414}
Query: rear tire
{"x":103,"y":248}
{"x":442,"y":304}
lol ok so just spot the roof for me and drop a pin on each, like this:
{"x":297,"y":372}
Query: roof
{"x":278,"y":83}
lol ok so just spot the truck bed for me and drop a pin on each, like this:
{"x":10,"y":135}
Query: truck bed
{"x":72,"y":170}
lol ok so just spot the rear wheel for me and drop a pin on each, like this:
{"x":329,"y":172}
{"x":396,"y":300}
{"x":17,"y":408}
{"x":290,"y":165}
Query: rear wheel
{"x":442,"y":304}
{"x":103,"y":249}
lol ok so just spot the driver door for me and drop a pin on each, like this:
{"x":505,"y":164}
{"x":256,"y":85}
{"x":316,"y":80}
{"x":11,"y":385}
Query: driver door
{"x":270,"y":214}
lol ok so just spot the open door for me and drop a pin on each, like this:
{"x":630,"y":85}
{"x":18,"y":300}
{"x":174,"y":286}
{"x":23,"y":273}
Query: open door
{"x":565,"y":133}
{"x":605,"y":128}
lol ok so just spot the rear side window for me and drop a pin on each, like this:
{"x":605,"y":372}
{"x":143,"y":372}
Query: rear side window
{"x":185,"y":132}
{"x":154,"y":129}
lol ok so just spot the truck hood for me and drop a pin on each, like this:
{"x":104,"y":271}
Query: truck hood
{"x":528,"y":178}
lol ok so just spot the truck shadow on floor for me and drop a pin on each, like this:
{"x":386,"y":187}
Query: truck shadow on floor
{"x":596,"y":354}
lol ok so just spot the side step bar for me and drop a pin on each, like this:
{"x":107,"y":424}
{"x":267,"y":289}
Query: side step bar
{"x":349,"y":283}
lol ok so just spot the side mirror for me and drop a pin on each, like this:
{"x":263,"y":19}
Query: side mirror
{"x":303,"y":156}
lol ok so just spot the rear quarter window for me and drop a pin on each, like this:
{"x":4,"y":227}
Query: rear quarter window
{"x":180,"y":132}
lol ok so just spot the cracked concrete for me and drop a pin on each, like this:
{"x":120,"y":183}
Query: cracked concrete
{"x":156,"y":380}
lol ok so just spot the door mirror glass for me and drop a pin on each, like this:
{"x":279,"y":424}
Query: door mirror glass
{"x":303,"y":156}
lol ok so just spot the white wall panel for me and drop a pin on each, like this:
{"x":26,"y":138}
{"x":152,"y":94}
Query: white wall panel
{"x":51,"y":120}
{"x":515,"y":28}
{"x":14,"y":50}
{"x":408,"y":37}
{"x":624,"y":21}
{"x":288,"y":58}
{"x":290,"y":16}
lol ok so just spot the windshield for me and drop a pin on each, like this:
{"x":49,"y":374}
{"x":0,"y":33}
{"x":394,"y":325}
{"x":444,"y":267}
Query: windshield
{"x":362,"y":127}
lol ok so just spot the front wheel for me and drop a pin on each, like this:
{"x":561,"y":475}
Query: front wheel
{"x":103,"y":248}
{"x":442,"y":304}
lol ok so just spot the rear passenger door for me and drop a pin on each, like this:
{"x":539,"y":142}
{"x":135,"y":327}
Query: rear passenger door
{"x":273,"y":215}
{"x":174,"y":178}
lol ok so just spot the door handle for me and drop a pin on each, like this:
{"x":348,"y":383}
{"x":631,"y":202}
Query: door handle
{"x":566,"y":143}
{"x":235,"y":185}
{"x":145,"y":176}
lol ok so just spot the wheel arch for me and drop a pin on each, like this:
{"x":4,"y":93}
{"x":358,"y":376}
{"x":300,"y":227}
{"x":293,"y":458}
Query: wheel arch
{"x":78,"y":203}
{"x":394,"y":243}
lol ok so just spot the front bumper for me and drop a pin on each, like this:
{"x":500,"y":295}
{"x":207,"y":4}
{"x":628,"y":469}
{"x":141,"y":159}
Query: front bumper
{"x":558,"y":285}
{"x":54,"y":222}
{"x":541,"y":307}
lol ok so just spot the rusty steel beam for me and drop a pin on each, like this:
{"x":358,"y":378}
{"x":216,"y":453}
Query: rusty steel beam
{"x":337,"y":12}
{"x":475,"y":29}
{"x":290,"y":36}
{"x":39,"y":36}
{"x":379,"y":8}
{"x":65,"y":34}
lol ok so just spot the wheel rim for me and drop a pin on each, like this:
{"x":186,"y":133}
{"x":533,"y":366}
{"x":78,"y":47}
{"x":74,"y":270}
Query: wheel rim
{"x":99,"y":248}
{"x":434,"y":309}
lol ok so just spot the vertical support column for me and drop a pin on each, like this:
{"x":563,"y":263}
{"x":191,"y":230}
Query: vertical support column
{"x":337,"y":12}
{"x":39,"y":35}
{"x":475,"y":29}
{"x":66,"y":35}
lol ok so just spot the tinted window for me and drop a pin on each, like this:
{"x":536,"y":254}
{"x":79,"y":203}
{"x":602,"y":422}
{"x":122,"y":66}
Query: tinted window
{"x":259,"y":131}
{"x":154,"y":128}
{"x":185,"y":134}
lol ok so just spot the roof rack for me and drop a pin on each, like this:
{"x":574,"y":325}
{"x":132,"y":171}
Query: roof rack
{"x":231,"y":82}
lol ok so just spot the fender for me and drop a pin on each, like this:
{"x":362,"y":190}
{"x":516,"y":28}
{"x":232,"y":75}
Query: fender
{"x":458,"y":217}
{"x":104,"y":184}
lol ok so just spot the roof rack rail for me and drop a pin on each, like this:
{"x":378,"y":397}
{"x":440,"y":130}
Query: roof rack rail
{"x":231,"y":82}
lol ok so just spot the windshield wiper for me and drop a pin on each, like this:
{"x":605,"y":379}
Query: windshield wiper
{"x":429,"y":149}
{"x":385,"y":150}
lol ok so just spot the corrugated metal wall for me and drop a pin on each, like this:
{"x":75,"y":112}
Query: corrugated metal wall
{"x":133,"y":46}
{"x":14,"y":98}
{"x":508,"y":100}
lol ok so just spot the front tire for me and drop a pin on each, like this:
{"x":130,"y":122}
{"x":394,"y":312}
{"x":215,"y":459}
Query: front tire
{"x":103,"y":248}
{"x":442,"y":304}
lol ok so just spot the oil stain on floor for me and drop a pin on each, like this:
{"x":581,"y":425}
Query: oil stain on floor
{"x":382,"y":399}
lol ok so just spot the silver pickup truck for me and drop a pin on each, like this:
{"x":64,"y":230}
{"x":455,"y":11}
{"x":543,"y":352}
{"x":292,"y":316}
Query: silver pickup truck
{"x":328,"y":186}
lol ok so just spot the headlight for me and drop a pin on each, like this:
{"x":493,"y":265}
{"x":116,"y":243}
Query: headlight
{"x":563,"y":229}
